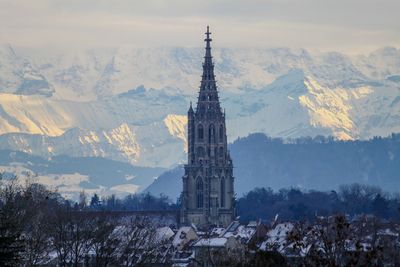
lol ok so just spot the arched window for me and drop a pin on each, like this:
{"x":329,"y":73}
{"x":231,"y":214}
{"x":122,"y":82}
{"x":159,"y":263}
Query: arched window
{"x":199,"y":192}
{"x":222,"y":192}
{"x":221,"y":133}
{"x":200,"y":132}
{"x":211,"y":134}
{"x":221,"y":151}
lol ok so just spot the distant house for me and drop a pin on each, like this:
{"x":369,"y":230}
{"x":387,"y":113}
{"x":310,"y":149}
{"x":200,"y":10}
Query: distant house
{"x":249,"y":234}
{"x":212,"y":251}
{"x":276,"y":238}
{"x":182,"y":242}
{"x":216,"y":246}
{"x":183,"y":237}
{"x":164,"y":233}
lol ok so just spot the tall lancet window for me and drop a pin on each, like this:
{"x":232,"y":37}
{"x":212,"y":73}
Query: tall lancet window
{"x":221,"y":152}
{"x":200,"y":132}
{"x":211,"y":134}
{"x":221,"y":133}
{"x":222,"y":192}
{"x":199,"y":192}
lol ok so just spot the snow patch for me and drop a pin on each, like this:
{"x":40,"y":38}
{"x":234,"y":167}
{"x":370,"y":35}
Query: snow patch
{"x":176,"y":125}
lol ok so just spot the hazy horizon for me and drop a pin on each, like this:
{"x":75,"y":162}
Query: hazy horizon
{"x":351,"y":27}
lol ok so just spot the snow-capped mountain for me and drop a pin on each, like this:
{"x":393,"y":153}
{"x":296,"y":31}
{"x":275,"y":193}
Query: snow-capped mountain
{"x":17,"y":75}
{"x":148,"y":145}
{"x":129,"y":104}
{"x":297,"y":105}
{"x":52,"y":116}
{"x":98,"y":73}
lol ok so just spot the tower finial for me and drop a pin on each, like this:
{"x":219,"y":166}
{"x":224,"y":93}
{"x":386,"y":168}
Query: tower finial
{"x":190,"y":108}
{"x":208,"y":39}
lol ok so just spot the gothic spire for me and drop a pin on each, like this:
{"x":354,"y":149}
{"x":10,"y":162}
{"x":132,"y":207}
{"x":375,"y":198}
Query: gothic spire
{"x":208,"y":78}
{"x":208,"y":101}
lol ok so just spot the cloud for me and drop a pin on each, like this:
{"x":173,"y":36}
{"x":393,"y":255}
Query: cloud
{"x":325,"y":25}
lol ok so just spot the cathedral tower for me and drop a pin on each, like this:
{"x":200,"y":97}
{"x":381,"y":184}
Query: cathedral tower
{"x":208,"y":194}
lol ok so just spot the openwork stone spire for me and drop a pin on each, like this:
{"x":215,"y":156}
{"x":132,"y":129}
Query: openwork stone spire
{"x":208,"y":66}
{"x":208,"y":96}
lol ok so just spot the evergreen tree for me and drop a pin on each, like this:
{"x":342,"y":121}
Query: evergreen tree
{"x":95,"y":201}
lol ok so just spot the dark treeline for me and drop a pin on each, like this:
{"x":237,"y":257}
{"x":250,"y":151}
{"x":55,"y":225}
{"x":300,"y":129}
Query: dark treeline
{"x":39,"y":227}
{"x":294,"y":204}
{"x":132,"y":202}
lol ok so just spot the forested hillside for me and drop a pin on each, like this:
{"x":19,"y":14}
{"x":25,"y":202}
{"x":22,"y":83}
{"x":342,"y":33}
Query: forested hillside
{"x":308,"y":163}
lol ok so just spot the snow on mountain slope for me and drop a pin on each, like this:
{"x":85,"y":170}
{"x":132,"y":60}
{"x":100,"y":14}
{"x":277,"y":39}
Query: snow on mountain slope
{"x":9,"y":67}
{"x":297,"y":105}
{"x":67,"y":185}
{"x":52,"y":116}
{"x":140,"y":127}
{"x":156,"y":68}
{"x":176,"y":125}
{"x":97,"y":73}
{"x":71,"y":175}
{"x":33,"y":114}
{"x":17,"y":75}
{"x":147,"y":145}
{"x":274,"y":110}
{"x":75,"y":73}
{"x":102,"y":104}
{"x":380,"y":63}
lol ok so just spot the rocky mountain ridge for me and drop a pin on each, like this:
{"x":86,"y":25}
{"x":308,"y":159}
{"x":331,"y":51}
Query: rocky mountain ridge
{"x":130,"y":104}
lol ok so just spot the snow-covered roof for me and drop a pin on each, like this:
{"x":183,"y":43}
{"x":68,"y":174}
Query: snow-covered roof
{"x":164,"y":233}
{"x":217,"y":231}
{"x":276,"y":237}
{"x":387,"y":232}
{"x":241,"y":232}
{"x":181,"y":235}
{"x":252,"y":224}
{"x":211,"y":242}
{"x":233,"y":226}
{"x":280,"y":230}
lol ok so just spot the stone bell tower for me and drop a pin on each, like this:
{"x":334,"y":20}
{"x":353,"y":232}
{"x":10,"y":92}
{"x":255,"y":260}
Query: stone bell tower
{"x":208,"y":193}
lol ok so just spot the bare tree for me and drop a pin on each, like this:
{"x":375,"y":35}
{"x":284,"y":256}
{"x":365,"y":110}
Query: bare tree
{"x":80,"y":237}
{"x":11,"y":223}
{"x":138,"y":241}
{"x":321,"y":244}
{"x":104,"y":243}
{"x":59,"y":234}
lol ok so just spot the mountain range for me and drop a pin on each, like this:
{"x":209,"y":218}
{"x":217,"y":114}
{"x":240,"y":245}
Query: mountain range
{"x":129,"y":104}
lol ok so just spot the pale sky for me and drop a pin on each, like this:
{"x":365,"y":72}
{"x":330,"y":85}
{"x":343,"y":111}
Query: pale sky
{"x":352,"y":26}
